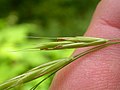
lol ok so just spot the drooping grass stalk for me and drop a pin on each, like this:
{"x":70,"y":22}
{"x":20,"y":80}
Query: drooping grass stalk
{"x":56,"y":65}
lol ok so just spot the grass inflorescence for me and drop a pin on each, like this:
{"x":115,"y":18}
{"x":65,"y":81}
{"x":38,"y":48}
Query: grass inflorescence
{"x":51,"y":67}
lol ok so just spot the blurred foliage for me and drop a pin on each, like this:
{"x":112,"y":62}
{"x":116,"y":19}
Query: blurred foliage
{"x":20,"y":19}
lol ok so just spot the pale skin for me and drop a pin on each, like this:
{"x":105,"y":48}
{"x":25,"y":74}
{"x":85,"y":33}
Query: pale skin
{"x":99,"y":70}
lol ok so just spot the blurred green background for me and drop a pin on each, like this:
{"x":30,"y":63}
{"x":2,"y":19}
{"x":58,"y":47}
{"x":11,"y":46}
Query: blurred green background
{"x":21,"y":19}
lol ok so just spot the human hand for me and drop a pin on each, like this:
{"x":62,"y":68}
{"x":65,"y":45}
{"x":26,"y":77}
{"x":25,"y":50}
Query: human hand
{"x":99,"y":70}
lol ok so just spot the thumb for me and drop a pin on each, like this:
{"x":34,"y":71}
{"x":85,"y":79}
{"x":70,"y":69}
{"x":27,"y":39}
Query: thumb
{"x":99,"y":70}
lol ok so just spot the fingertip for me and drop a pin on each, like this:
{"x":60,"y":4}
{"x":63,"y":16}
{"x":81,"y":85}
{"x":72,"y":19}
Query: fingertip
{"x":106,"y":20}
